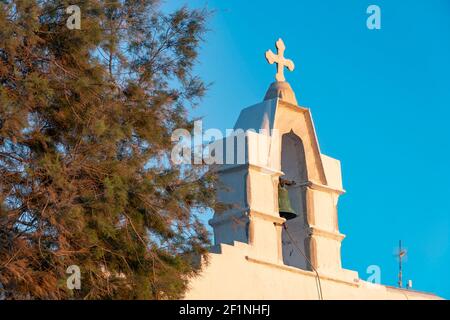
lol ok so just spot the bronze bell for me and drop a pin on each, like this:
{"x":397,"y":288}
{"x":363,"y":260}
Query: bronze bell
{"x":284,"y":203}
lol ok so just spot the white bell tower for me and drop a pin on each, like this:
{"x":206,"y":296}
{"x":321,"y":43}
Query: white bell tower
{"x":259,"y":254}
{"x":279,"y":140}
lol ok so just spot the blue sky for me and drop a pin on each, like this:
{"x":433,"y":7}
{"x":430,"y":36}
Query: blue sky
{"x":381,"y":104}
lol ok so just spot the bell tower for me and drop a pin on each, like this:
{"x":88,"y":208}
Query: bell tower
{"x":279,"y":141}
{"x":279,"y":237}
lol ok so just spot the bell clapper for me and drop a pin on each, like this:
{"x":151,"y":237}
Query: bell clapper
{"x":285,"y":182}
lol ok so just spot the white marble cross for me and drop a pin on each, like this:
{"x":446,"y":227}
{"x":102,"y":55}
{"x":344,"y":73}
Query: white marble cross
{"x":279,"y":60}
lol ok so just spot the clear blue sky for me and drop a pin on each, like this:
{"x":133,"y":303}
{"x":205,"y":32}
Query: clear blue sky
{"x":381,"y":104}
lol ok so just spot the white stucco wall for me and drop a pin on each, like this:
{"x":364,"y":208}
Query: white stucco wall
{"x":234,"y":274}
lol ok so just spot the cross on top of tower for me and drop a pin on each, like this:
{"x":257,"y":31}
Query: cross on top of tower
{"x":280,"y":60}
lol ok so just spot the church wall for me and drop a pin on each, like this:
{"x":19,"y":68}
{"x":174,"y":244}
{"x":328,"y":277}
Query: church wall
{"x":232,"y":187}
{"x":260,"y":192}
{"x":234,"y":274}
{"x":324,"y":210}
{"x":326,"y":254}
{"x":232,"y":225}
{"x":332,"y":168}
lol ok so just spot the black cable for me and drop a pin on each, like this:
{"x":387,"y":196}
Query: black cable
{"x":318,"y":284}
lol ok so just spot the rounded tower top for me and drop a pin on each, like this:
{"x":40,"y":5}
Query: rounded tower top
{"x":281,"y":90}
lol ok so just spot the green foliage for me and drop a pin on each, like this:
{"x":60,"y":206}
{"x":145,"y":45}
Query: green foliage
{"x":86,"y":118}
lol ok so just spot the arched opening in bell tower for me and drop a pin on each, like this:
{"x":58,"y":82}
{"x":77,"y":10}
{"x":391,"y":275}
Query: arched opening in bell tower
{"x":295,"y":238}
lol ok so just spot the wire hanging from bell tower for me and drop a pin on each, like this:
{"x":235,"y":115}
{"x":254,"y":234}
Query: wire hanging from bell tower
{"x":318,"y":284}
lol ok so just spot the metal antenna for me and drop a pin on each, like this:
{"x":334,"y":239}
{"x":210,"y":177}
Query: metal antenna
{"x":401,"y":253}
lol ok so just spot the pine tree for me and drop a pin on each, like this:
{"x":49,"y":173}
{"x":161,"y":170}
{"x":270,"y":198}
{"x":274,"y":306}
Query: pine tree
{"x":86,"y":118}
